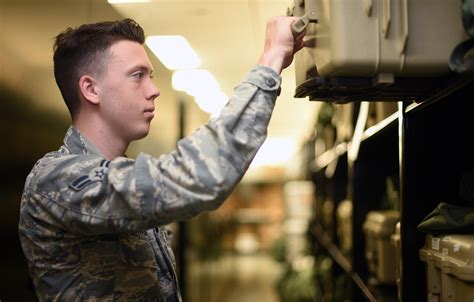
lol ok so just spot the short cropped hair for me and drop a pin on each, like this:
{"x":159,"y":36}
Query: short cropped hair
{"x":82,"y":50}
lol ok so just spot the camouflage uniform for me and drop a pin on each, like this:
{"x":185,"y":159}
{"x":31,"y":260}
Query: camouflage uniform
{"x":93,"y":229}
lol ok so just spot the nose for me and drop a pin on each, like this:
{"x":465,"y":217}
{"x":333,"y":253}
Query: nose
{"x":153,"y":91}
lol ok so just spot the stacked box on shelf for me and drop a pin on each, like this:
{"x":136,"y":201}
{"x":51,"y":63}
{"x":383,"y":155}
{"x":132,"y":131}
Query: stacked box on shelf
{"x":344,"y":226}
{"x":396,"y":242}
{"x":449,"y":263}
{"x":378,"y":228}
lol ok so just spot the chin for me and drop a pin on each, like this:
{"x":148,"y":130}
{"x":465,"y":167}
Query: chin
{"x":140,"y":134}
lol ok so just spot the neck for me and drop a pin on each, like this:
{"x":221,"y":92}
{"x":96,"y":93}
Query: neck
{"x":109,"y":144}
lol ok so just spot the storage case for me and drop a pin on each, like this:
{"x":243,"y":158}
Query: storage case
{"x":328,"y":216}
{"x":449,"y":263}
{"x":395,"y":238}
{"x":378,"y":227}
{"x":344,"y":225}
{"x":361,"y":48}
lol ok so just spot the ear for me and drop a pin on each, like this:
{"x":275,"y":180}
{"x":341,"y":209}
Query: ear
{"x":89,"y":89}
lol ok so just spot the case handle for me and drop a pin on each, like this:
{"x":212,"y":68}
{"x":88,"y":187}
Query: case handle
{"x":310,"y":16}
{"x":299,"y":25}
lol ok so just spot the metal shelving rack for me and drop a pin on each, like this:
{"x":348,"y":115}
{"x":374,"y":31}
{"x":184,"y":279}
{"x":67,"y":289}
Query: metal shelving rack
{"x":425,"y":147}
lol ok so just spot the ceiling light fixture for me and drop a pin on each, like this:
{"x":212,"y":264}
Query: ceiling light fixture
{"x":194,"y":82}
{"x":212,"y":102}
{"x":177,"y":54}
{"x":200,"y":84}
{"x":173,"y":51}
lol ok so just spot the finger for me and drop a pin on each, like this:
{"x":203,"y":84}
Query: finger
{"x":298,"y":46}
{"x":299,"y":38}
{"x":301,"y":35}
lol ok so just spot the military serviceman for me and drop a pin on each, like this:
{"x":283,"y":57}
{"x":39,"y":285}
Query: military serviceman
{"x":92,"y":220}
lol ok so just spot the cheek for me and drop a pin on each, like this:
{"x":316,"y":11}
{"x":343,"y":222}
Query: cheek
{"x":122,"y":100}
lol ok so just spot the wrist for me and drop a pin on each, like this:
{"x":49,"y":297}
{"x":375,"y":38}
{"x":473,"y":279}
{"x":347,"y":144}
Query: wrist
{"x":272,"y":60}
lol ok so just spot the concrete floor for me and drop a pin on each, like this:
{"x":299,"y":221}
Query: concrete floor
{"x":234,"y":278}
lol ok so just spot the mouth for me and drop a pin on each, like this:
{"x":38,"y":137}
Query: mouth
{"x":150,"y":112}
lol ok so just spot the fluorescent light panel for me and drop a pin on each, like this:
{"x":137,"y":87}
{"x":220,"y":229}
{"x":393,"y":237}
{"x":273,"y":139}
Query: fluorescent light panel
{"x":200,"y":84}
{"x":212,"y":103}
{"x":194,"y":82}
{"x":173,"y":51}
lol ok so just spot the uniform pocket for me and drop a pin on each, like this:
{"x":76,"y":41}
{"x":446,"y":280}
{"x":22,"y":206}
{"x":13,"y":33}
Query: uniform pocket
{"x":136,"y":250}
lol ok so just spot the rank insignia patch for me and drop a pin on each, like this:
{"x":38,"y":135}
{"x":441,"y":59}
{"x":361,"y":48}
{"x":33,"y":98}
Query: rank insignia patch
{"x":94,"y":175}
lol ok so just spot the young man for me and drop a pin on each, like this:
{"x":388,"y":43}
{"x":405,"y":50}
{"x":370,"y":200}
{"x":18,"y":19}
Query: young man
{"x":92,"y":220}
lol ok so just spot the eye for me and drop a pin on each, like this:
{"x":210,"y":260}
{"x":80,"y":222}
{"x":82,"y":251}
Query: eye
{"x":138,"y":74}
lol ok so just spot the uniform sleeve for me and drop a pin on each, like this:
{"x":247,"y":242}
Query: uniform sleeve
{"x":127,"y":195}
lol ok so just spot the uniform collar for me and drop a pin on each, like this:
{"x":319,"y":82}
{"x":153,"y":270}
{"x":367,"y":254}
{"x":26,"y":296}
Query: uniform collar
{"x":78,"y":144}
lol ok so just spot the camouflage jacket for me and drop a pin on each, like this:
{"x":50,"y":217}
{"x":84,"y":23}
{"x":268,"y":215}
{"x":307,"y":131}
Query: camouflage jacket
{"x":93,"y":229}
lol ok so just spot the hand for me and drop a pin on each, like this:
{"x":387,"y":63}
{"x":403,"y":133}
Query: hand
{"x":280,"y":44}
